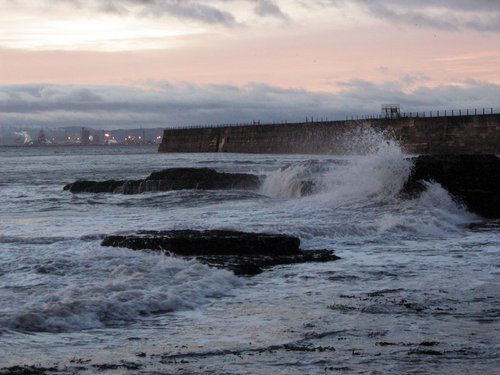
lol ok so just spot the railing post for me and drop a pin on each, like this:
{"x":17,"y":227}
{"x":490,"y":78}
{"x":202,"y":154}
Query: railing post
{"x":491,"y":110}
{"x":452,"y":112}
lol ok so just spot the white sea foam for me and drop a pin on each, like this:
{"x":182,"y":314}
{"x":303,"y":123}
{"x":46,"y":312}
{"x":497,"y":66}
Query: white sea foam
{"x":381,"y":171}
{"x":293,"y":180}
{"x":433,"y":213}
{"x":109,"y":286}
{"x":360,"y":195}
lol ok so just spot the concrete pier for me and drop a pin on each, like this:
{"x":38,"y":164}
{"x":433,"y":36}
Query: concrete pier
{"x":417,"y":135}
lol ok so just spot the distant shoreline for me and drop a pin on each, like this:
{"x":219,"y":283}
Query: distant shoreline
{"x":77,"y":145}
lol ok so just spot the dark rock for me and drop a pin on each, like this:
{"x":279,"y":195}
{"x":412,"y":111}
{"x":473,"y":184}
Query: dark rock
{"x":243,"y":253}
{"x":204,"y":179}
{"x":170,"y":179}
{"x":473,"y":180}
{"x":26,"y":370}
{"x":211,"y":242}
{"x":83,"y":186}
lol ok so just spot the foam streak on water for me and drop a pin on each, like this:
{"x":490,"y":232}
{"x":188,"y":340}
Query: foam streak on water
{"x":416,"y":290}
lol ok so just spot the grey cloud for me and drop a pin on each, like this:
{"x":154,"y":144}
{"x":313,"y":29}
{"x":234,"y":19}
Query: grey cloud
{"x":266,"y":8}
{"x":479,"y":15}
{"x":189,"y":10}
{"x":452,"y":5}
{"x":207,"y":11}
{"x":166,"y":105}
{"x":185,"y":9}
{"x":109,"y":6}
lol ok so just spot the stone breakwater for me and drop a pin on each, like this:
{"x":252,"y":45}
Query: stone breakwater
{"x":417,"y":135}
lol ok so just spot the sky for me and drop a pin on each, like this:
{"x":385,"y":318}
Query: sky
{"x":162,"y":63}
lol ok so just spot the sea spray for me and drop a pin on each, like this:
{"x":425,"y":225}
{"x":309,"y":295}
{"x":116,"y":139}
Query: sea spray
{"x":381,"y":171}
{"x":434,"y":213}
{"x":379,"y":175}
{"x":294,"y":180}
{"x":367,"y":189}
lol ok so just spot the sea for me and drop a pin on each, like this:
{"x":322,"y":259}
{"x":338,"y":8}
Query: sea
{"x":416,"y":291}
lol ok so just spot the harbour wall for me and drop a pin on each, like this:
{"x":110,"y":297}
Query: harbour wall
{"x":417,"y":135}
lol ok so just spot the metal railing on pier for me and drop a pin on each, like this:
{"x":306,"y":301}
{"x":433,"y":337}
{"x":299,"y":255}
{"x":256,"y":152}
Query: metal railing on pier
{"x":356,"y":117}
{"x":435,"y":113}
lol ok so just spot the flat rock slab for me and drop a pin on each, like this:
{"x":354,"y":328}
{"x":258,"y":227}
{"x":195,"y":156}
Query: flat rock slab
{"x":473,"y":179}
{"x":242,"y":252}
{"x":170,"y":179}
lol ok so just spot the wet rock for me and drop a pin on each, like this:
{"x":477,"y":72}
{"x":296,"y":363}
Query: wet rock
{"x":242,"y":252}
{"x":84,"y":186}
{"x":473,"y":179}
{"x":26,"y":370}
{"x":170,"y":179}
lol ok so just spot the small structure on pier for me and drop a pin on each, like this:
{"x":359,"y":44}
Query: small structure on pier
{"x":390,"y":111}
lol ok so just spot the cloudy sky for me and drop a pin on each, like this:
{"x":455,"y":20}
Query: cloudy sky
{"x":160,"y":63}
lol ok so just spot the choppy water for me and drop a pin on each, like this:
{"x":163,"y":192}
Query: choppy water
{"x":416,"y":290}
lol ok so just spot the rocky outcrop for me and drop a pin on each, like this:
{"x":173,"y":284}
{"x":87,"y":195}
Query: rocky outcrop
{"x":170,"y":179}
{"x":242,"y":252}
{"x":473,"y":179}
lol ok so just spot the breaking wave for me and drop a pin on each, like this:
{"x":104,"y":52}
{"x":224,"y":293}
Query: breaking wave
{"x":100,"y":290}
{"x":381,"y":171}
{"x":361,"y":195}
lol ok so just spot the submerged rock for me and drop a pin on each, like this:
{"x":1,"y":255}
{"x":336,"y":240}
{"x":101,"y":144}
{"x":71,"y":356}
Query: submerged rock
{"x":242,"y":252}
{"x":170,"y":179}
{"x":473,"y":179}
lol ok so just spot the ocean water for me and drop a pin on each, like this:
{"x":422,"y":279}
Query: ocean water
{"x":416,"y":289}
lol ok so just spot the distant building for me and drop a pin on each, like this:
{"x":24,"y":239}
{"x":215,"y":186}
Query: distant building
{"x":390,"y":111}
{"x":85,"y":136}
{"x":41,"y":139}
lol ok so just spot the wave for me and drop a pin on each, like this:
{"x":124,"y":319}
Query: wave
{"x":433,"y":213}
{"x":117,"y":286}
{"x":32,"y":240}
{"x":360,"y":196}
{"x":294,"y":180}
{"x":380,"y":172}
